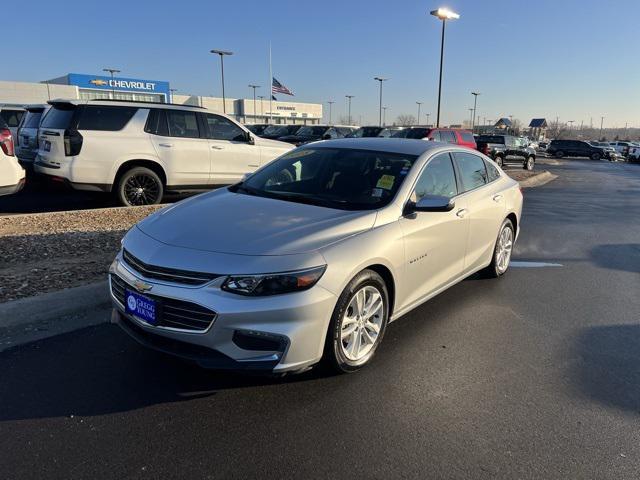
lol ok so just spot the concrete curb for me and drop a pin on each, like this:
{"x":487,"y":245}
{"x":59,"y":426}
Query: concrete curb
{"x":53,"y":305}
{"x":538,"y":180}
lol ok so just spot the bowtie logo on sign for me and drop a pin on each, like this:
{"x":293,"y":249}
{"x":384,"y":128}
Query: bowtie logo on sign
{"x":99,"y":83}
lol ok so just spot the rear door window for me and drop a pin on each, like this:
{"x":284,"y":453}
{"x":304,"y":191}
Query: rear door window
{"x":473,"y":173}
{"x":105,"y":118}
{"x":59,"y":117}
{"x":221,"y":128}
{"x":157,"y":123}
{"x":182,"y":124}
{"x":492,"y":172}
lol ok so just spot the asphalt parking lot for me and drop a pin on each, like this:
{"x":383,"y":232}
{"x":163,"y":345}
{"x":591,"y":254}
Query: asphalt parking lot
{"x":535,"y":375}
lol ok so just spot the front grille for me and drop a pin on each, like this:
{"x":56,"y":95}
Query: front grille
{"x":173,"y":275}
{"x":171,"y":313}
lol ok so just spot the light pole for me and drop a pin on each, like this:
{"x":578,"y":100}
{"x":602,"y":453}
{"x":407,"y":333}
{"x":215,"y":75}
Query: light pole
{"x":330,"y":102}
{"x":254,"y":100}
{"x":472,"y":113}
{"x":475,"y":103}
{"x":601,"y":123}
{"x":261,"y":97}
{"x":384,"y":116}
{"x":419,"y":105}
{"x":222,"y":53}
{"x":428,"y":115}
{"x":380,"y":79}
{"x":443,"y":14}
{"x":349,"y":97}
{"x":112,"y":71}
{"x":570,"y":122}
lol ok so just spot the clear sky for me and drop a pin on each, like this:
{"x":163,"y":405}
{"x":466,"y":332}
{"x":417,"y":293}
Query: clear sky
{"x":574,"y":59}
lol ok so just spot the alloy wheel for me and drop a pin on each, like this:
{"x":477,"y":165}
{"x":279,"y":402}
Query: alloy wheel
{"x":141,"y":189}
{"x":503,"y":252}
{"x":361,"y":323}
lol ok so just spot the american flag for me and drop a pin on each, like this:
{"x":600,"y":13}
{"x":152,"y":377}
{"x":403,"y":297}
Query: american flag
{"x":277,"y":87}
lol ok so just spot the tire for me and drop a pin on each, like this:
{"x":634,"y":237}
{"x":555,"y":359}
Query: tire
{"x":339,"y":356}
{"x":595,"y":156}
{"x":497,"y":267}
{"x":559,"y":154}
{"x":139,"y":186}
{"x":499,"y":160}
{"x":529,"y":163}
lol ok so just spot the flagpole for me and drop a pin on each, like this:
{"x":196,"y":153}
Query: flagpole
{"x":270,"y":87}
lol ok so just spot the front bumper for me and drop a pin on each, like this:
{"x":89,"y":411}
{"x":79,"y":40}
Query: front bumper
{"x":294,"y":324}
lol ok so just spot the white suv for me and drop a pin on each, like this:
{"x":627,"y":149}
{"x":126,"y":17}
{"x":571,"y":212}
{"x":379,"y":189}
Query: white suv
{"x":139,"y":150}
{"x":11,"y":173}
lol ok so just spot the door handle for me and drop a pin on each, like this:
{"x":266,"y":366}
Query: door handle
{"x":497,"y":198}
{"x":166,"y":145}
{"x":462,"y":212}
{"x":215,"y":147}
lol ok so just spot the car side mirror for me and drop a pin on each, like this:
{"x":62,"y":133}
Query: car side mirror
{"x":431,"y":203}
{"x":250,"y":139}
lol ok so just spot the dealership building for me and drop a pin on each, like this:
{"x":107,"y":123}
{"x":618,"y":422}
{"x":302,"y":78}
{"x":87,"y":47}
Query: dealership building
{"x":84,"y":86}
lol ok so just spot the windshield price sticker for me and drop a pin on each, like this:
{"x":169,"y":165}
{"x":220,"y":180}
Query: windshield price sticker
{"x":386,"y":182}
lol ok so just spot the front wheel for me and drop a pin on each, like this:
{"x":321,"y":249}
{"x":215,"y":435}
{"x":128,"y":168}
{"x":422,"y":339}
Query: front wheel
{"x":499,"y":160}
{"x":529,"y":163}
{"x":139,"y":186}
{"x":559,"y":154}
{"x":502,"y":250}
{"x":358,"y":323}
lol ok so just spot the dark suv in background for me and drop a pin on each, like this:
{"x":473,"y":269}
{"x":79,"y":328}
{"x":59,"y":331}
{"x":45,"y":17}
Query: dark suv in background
{"x":576,"y":148}
{"x":507,"y":149}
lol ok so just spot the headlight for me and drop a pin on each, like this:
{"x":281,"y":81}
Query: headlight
{"x":273,"y":283}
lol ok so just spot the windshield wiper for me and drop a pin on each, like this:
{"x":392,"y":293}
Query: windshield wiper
{"x":241,"y":187}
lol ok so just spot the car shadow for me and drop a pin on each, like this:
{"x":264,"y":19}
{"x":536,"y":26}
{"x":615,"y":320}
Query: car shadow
{"x":609,"y":367}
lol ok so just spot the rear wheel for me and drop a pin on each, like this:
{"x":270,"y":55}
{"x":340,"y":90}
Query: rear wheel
{"x":502,"y":251}
{"x":139,"y":186}
{"x":595,"y":156}
{"x":358,"y":323}
{"x":559,"y":154}
{"x":529,"y":163}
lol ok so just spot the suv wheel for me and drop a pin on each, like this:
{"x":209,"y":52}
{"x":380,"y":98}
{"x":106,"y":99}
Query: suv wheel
{"x":139,"y":186}
{"x":358,"y":323}
{"x":559,"y":154}
{"x":595,"y":156}
{"x":529,"y":163}
{"x":499,"y":160}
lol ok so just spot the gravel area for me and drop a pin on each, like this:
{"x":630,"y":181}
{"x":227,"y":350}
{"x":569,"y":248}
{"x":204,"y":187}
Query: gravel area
{"x":51,"y":251}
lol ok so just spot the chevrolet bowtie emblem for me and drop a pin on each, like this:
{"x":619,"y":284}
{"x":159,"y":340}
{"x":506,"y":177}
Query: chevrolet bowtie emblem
{"x":98,"y":82}
{"x":142,"y":286}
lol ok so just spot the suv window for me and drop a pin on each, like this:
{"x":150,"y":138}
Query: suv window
{"x":157,"y":123}
{"x":12,"y":117}
{"x":509,"y":141}
{"x":473,"y":173}
{"x":418,"y":133}
{"x":467,"y":137}
{"x":59,"y":117}
{"x":221,"y":128}
{"x":448,"y":136}
{"x":105,"y":118}
{"x":438,"y":178}
{"x":32,"y":119}
{"x":435,"y":136}
{"x":182,"y":124}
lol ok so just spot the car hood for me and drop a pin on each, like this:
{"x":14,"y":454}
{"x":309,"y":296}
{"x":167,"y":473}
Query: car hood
{"x":234,"y":223}
{"x":299,"y":138}
{"x":265,"y":142}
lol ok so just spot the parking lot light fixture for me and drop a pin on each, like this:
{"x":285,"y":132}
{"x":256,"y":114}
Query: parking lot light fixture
{"x":471,"y":115}
{"x":384,"y":116}
{"x":419,"y":105}
{"x":222,"y":53}
{"x":428,"y":115}
{"x":349,"y":97}
{"x":111,"y":71}
{"x":443,"y":14}
{"x":254,"y":100}
{"x":475,"y":104}
{"x":380,"y":79}
{"x":330,"y":102}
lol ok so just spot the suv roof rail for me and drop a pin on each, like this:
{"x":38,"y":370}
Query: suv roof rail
{"x":143,"y":101}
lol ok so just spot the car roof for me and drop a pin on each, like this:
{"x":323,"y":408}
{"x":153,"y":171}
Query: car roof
{"x":404,"y":146}
{"x":124,"y":103}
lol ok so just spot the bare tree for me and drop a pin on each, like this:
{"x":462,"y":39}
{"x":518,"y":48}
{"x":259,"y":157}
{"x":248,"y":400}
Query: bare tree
{"x":557,"y":131}
{"x":406,"y":119}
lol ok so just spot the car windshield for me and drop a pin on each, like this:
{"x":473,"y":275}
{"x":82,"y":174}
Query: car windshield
{"x":32,"y":119}
{"x":312,"y":131}
{"x":346,"y":179}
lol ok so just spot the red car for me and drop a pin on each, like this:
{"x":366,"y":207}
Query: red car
{"x":458,"y":136}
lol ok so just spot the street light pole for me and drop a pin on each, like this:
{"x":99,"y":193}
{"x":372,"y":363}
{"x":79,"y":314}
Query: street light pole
{"x":471,"y":115}
{"x":261,"y":97}
{"x":475,"y":103}
{"x":428,"y":115}
{"x":444,"y":15}
{"x":380,"y":79}
{"x":222,"y":53}
{"x":419,"y":104}
{"x":111,"y":71}
{"x":384,"y":116}
{"x":349,"y":97}
{"x":254,"y":100}
{"x":601,"y":123}
{"x":330,"y":102}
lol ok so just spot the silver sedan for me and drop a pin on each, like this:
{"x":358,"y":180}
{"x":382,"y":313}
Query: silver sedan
{"x":311,"y":257}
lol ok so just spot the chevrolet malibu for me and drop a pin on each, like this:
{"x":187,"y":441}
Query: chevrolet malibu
{"x":310,"y":257}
